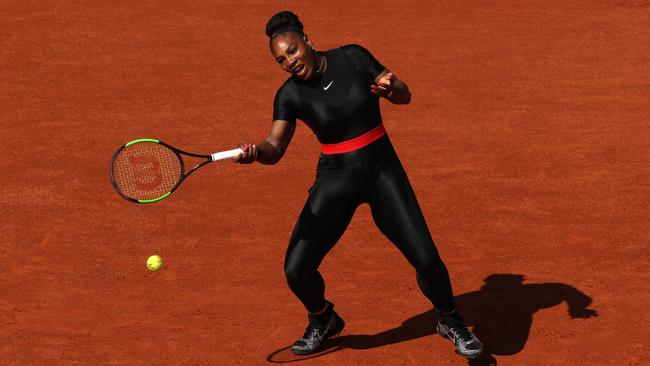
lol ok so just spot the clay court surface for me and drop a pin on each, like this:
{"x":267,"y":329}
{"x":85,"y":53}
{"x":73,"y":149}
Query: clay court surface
{"x":527,"y":143}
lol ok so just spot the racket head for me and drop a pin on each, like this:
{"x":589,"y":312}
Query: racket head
{"x":146,"y":170}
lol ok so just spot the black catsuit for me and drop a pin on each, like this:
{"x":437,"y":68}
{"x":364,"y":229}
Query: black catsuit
{"x":338,"y":106}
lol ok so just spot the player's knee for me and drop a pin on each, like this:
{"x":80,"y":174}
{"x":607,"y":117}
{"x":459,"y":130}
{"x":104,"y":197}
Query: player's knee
{"x":430,"y":266}
{"x":294,"y":274}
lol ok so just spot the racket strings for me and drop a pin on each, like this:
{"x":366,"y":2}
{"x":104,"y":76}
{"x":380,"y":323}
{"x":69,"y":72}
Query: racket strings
{"x":146,"y":170}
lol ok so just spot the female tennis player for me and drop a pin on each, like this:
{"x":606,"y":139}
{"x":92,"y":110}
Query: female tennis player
{"x":336,"y":93}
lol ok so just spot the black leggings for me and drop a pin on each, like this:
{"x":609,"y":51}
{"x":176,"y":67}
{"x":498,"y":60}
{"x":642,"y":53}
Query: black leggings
{"x":372,"y":175}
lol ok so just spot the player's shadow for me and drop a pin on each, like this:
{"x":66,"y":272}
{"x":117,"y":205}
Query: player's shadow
{"x":501,"y":313}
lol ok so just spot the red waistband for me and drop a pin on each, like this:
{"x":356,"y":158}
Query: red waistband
{"x":355,"y":143}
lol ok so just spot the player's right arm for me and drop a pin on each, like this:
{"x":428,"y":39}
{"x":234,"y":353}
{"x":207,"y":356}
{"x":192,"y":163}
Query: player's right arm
{"x":285,"y":113}
{"x":271,"y":149}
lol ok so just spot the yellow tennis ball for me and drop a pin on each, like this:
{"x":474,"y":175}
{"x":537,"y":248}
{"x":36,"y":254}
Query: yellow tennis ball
{"x":154,"y":262}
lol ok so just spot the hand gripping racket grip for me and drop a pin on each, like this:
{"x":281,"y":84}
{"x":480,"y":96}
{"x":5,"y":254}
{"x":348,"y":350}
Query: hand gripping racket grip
{"x":224,"y":155}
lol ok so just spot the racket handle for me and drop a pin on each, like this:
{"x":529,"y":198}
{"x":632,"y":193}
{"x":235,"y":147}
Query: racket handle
{"x":224,"y":155}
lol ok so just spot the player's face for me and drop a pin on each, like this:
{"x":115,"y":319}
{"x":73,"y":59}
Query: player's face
{"x":294,"y":55}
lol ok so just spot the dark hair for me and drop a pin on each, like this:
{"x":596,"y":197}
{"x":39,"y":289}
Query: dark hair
{"x":284,"y":21}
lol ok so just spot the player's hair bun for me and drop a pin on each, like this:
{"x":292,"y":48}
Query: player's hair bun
{"x":283,"y":21}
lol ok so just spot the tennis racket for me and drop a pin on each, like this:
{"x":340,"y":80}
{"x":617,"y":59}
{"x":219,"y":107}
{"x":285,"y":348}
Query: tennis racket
{"x":148,"y":170}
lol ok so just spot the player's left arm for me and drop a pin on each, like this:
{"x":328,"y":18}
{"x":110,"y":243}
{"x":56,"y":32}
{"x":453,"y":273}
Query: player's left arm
{"x":387,"y":85}
{"x":577,"y":301}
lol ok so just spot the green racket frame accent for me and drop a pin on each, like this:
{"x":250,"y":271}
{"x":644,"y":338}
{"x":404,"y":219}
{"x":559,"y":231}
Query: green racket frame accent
{"x":141,"y":140}
{"x":155,"y":199}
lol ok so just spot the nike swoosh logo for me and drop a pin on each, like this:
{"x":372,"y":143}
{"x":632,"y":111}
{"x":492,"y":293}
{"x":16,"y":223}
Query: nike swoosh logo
{"x":328,"y":85}
{"x":330,"y":323}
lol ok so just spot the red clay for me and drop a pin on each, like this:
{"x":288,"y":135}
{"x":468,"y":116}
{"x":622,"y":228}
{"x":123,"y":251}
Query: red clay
{"x":527,"y":142}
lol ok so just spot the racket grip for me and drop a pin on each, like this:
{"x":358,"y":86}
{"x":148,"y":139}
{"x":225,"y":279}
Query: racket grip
{"x":224,"y":155}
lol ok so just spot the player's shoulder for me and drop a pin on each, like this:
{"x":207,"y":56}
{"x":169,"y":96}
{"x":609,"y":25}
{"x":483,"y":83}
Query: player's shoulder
{"x":354,"y":48}
{"x":287,"y":91}
{"x":288,"y":87}
{"x":357,"y":52}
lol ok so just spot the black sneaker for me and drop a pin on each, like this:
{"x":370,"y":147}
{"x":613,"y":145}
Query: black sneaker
{"x":451,"y":326}
{"x":317,"y":332}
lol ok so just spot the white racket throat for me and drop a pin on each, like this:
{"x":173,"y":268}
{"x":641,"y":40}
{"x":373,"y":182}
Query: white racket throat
{"x":224,"y":155}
